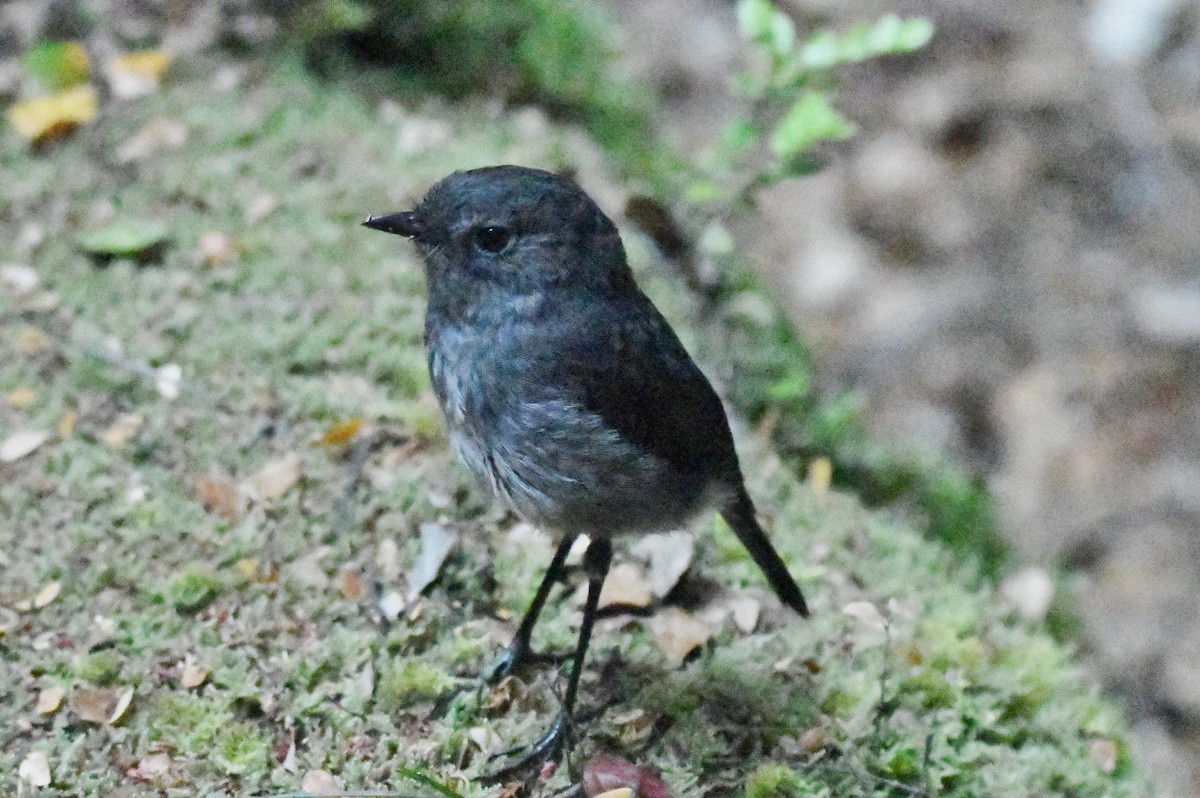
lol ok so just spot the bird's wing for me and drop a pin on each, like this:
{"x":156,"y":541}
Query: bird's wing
{"x":624,"y":363}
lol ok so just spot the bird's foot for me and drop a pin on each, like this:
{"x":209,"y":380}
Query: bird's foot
{"x":544,"y":751}
{"x":512,"y":657}
{"x":507,"y":661}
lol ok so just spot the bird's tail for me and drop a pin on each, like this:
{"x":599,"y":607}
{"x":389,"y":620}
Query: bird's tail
{"x":739,"y":514}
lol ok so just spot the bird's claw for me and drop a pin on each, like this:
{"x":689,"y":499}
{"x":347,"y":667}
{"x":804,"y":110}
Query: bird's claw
{"x":506,"y":662}
{"x":546,"y":749}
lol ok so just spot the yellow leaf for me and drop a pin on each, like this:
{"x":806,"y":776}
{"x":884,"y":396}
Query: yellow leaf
{"x":45,"y":118}
{"x":21,"y":398}
{"x":147,"y":63}
{"x":820,"y":475}
{"x":137,"y":74}
{"x":122,"y":429}
{"x":247,"y":567}
{"x":31,"y":340}
{"x":66,"y":424}
{"x":341,"y":433}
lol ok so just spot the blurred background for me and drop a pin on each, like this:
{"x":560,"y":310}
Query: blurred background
{"x":1003,"y":265}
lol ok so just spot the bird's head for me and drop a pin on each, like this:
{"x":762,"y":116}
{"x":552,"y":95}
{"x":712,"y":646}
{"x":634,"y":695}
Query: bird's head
{"x":510,"y":229}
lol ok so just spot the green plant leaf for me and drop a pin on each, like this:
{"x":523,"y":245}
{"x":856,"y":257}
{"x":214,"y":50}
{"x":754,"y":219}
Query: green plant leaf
{"x":889,"y":35}
{"x":754,"y":18}
{"x":57,"y":65}
{"x":810,"y":119}
{"x":739,"y":135}
{"x":760,"y":21}
{"x":428,"y":781}
{"x":124,"y":239}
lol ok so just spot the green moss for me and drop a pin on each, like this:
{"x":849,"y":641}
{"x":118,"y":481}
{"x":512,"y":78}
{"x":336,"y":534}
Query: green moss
{"x":408,"y":682}
{"x":192,"y":588}
{"x":777,"y":781}
{"x":241,"y":749}
{"x":188,"y":721}
{"x":100,"y":668}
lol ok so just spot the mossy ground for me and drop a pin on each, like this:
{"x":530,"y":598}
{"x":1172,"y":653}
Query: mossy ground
{"x":316,"y":321}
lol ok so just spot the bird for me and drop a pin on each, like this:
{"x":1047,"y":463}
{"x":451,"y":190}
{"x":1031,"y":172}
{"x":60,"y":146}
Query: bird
{"x":564,"y":390}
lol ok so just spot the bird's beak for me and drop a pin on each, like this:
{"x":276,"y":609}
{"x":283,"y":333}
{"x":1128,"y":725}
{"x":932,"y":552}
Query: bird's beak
{"x":404,"y":223}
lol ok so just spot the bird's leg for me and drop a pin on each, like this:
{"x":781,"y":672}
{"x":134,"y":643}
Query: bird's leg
{"x":519,"y":649}
{"x":596,"y":562}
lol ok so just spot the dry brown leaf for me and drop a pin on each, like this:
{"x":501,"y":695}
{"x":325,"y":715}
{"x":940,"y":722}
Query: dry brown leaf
{"x":811,"y":741}
{"x":218,"y":249}
{"x":610,"y":776}
{"x":155,"y":136}
{"x":152,"y":768}
{"x":18,"y":278}
{"x":320,"y":781}
{"x":47,"y":594}
{"x":387,"y":560}
{"x":350,"y":584}
{"x":41,"y":302}
{"x":625,"y":586}
{"x":678,"y":633}
{"x":167,"y":378}
{"x":34,"y":769}
{"x":277,"y":477}
{"x":50,"y":699}
{"x":222,"y":497}
{"x":30,"y":340}
{"x":123,"y":702}
{"x":391,"y":604}
{"x":20,"y":398}
{"x":437,"y":541}
{"x":137,"y":74}
{"x":93,"y":704}
{"x":667,"y":557}
{"x":1030,"y":592}
{"x":341,"y":433}
{"x":192,"y":675}
{"x":606,"y":773}
{"x":124,"y":428}
{"x":1103,"y":753}
{"x":307,"y":570}
{"x":44,"y":119}
{"x":746,"y":610}
{"x":21,"y":443}
{"x":262,"y":207}
{"x":485,"y":738}
{"x":867,"y":625}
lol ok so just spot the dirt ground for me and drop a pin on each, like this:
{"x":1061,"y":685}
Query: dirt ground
{"x":1006,"y":264}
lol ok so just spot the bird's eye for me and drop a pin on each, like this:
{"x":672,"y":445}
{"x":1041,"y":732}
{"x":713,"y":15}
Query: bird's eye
{"x":492,"y":239}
